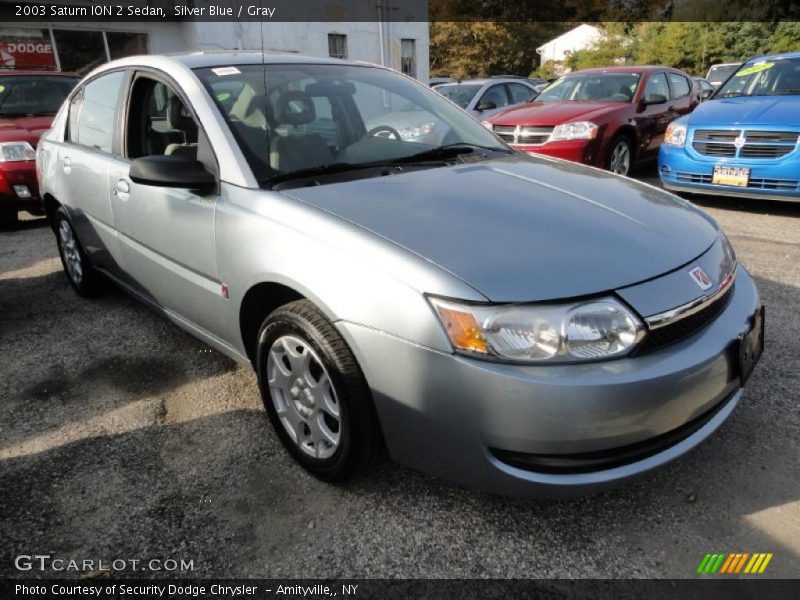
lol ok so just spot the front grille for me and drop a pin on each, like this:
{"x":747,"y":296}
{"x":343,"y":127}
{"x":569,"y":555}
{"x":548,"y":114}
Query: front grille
{"x":505,"y":132}
{"x":692,"y":178}
{"x":774,"y":184}
{"x":753,"y":143}
{"x":680,"y":329}
{"x":529,"y":135}
{"x":588,"y":462}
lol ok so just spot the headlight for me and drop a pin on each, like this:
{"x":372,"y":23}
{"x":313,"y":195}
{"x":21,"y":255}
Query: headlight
{"x":16,"y":151}
{"x":580,"y":130}
{"x":541,"y":333}
{"x":487,"y":125}
{"x":675,"y":134}
{"x":416,"y":131}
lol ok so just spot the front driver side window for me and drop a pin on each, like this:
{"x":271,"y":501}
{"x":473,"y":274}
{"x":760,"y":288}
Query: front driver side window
{"x":497,"y":95}
{"x":159,"y":122}
{"x":657,"y":84}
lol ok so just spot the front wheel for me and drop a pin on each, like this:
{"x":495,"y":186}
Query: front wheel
{"x":620,"y":155}
{"x":315,"y":394}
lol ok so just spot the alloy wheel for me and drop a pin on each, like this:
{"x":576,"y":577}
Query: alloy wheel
{"x":620,"y":159}
{"x":303,"y":396}
{"x":69,"y":250}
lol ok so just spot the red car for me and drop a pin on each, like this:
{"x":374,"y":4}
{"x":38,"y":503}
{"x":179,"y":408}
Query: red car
{"x":28,"y":102}
{"x":609,"y":118}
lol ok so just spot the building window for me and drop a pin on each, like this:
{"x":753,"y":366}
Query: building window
{"x":337,"y":45}
{"x":66,"y":50}
{"x":408,"y":57}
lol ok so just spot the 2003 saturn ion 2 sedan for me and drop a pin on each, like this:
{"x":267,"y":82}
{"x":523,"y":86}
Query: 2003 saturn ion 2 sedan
{"x":514,"y":323}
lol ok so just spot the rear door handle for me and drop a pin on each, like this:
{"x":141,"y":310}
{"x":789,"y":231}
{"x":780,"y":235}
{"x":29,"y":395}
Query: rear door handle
{"x":66,"y":164}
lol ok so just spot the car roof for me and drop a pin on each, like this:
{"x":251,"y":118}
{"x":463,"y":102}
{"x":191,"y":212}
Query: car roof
{"x":217,"y":58}
{"x":485,"y":80}
{"x":626,"y":69}
{"x":775,"y":56}
{"x":9,"y":72}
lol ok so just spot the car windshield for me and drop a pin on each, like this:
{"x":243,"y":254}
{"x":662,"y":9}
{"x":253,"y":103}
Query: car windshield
{"x":460,"y":93}
{"x":29,"y":95}
{"x":763,"y":77}
{"x":605,"y":87}
{"x":720,"y":73}
{"x":296,"y":118}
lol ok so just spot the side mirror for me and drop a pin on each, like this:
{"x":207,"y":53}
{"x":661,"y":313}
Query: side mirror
{"x":485,"y":105}
{"x":706,"y":94}
{"x":654,"y":99}
{"x":171,"y":171}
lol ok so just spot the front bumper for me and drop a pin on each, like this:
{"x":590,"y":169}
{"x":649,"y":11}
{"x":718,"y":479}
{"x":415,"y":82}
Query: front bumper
{"x":581,"y":151}
{"x":448,"y":415}
{"x":769,"y":180}
{"x":22,"y":173}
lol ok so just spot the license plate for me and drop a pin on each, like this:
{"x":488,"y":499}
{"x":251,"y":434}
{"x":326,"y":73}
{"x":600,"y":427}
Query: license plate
{"x":735,"y":176}
{"x":751,"y":346}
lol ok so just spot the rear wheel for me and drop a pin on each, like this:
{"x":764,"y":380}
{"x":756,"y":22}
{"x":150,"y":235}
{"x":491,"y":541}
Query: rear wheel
{"x":315,"y":394}
{"x":80,"y":273}
{"x":620,"y":155}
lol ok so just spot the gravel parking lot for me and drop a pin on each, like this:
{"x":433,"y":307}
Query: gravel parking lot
{"x":123,"y":437}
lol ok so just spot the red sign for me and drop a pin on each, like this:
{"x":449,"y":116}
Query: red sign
{"x":27,"y":54}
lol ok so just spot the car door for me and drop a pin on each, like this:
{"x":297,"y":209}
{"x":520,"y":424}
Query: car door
{"x":654,"y":113}
{"x":167,"y":233}
{"x":85,"y":160}
{"x":497,"y":95}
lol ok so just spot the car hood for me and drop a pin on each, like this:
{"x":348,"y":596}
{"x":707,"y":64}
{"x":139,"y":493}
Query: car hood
{"x":524,"y":229}
{"x":24,"y":129}
{"x":555,"y":113}
{"x":755,"y":110}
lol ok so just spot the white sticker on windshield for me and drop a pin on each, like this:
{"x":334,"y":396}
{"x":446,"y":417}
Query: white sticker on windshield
{"x":222,"y":71}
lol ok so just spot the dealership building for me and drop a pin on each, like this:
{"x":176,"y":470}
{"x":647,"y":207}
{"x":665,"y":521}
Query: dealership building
{"x":79,"y":47}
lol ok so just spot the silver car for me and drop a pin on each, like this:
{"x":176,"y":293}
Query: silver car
{"x":519,"y":324}
{"x":484,"y":97}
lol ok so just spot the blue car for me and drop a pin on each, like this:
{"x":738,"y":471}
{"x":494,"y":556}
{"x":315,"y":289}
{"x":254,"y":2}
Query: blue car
{"x":744,"y":142}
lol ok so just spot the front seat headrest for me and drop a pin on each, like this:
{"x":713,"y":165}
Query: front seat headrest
{"x":294,"y":108}
{"x":178,"y":116}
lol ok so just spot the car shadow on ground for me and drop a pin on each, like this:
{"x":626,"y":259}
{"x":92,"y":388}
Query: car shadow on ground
{"x":123,"y":437}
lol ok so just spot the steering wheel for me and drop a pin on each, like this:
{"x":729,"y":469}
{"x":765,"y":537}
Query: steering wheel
{"x":375,"y":131}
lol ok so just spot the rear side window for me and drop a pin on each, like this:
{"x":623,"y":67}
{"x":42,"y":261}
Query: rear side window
{"x":95,"y":105}
{"x":679,"y":85}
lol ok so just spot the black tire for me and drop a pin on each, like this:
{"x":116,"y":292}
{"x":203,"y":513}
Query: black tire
{"x":360,"y":442}
{"x":620,"y":139}
{"x":8,"y":217}
{"x":89,"y":282}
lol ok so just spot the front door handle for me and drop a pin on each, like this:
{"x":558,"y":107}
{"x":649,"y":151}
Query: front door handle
{"x":123,"y":187}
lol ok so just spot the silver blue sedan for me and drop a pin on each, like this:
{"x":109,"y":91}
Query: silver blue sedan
{"x":519,"y":324}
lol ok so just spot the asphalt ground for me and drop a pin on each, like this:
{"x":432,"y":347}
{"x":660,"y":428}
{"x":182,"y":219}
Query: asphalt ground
{"x":122,"y":437}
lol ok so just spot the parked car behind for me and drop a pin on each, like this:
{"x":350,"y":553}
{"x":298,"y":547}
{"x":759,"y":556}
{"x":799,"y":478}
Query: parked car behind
{"x":484,"y":97}
{"x":28,"y":102}
{"x":434,"y":81}
{"x":719,"y":73}
{"x":609,"y":118}
{"x":744,"y":142}
{"x":503,"y":321}
{"x":706,"y":89}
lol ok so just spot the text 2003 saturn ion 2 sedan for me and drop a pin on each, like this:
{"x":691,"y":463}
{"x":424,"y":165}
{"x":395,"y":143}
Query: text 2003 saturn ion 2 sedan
{"x":508,"y":322}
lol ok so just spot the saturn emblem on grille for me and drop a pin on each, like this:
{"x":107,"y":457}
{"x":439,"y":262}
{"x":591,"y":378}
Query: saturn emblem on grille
{"x":739,"y":141}
{"x":701,"y":278}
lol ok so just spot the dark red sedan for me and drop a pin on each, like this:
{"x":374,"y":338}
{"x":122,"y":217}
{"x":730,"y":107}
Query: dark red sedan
{"x":609,"y":118}
{"x":28,"y":102}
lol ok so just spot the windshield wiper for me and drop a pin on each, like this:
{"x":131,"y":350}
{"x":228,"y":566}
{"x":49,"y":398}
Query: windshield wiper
{"x":448,"y":151}
{"x":329,"y":169}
